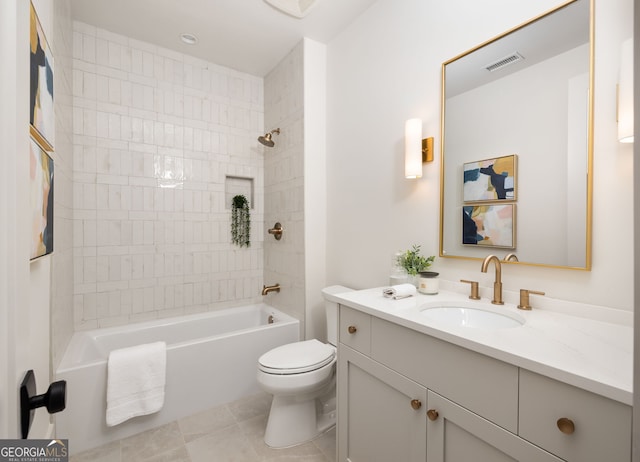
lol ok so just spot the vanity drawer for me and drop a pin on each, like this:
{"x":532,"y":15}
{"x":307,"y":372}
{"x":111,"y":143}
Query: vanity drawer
{"x":483,"y":385}
{"x":354,"y":329}
{"x":601,"y":427}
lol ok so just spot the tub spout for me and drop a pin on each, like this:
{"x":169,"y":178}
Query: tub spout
{"x":273,"y":288}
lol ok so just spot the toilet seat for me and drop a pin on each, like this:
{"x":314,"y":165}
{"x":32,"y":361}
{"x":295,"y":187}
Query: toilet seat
{"x":297,"y":358}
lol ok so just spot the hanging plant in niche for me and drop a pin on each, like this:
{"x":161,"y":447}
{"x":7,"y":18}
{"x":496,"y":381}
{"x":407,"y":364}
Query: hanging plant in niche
{"x":240,"y":221}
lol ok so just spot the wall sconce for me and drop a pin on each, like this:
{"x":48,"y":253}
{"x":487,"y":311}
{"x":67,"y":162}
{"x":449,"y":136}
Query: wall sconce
{"x":416,"y":150}
{"x":625,"y":93}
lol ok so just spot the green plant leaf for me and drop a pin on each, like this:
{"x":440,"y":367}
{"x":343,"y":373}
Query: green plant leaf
{"x":413,"y":262}
{"x":240,"y":221}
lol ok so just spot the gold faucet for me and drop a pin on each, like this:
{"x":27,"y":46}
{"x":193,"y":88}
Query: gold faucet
{"x":273,"y":288}
{"x":511,"y":257}
{"x":497,"y":285}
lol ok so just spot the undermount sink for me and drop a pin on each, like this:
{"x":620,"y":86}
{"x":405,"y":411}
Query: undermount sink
{"x":464,"y":316}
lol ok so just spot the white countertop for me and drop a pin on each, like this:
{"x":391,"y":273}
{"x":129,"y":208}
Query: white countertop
{"x":590,"y":354}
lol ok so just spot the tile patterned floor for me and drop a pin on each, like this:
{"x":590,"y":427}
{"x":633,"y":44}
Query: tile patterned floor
{"x":229,"y":433}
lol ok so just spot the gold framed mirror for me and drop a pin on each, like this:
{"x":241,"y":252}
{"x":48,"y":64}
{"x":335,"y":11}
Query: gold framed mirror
{"x":517,"y":143}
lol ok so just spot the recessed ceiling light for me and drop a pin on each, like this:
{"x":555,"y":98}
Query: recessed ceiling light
{"x":189,"y":39}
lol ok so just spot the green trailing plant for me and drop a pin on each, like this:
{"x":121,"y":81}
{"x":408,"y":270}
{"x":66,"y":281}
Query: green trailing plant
{"x":413,"y":262}
{"x":240,"y":221}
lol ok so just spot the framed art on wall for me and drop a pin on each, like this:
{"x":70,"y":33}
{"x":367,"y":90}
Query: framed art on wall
{"x":490,"y":179}
{"x":41,"y":192}
{"x":41,"y":115}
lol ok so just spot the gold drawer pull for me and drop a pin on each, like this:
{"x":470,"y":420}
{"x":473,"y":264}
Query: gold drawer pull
{"x":566,"y":426}
{"x":352,"y":329}
{"x":432,"y":414}
{"x":416,"y":404}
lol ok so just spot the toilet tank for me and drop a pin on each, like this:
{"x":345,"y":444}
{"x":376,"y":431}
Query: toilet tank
{"x":331,"y":310}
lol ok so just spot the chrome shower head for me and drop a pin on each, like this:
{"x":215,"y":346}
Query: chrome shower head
{"x":266,"y":139}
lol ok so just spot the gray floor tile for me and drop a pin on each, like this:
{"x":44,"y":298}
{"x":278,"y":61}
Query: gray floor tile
{"x":228,"y":445}
{"x":151,"y":443}
{"x":229,"y":433}
{"x":205,"y":422}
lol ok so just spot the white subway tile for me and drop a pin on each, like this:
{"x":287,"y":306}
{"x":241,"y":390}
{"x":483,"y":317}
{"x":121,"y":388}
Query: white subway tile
{"x":115,"y":55}
{"x":88,"y":122}
{"x":102,"y":88}
{"x":102,"y":269}
{"x":102,"y":52}
{"x":88,"y":48}
{"x":102,"y":125}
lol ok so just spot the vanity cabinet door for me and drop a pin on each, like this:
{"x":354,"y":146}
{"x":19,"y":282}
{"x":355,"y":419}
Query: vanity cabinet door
{"x":455,"y":434}
{"x":575,"y":424}
{"x":382,"y":414}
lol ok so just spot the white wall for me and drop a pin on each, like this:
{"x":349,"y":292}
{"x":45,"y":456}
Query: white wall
{"x":384,"y":69}
{"x":27,"y":295}
{"x":636,"y":223}
{"x":315,"y":186}
{"x":156,"y":134}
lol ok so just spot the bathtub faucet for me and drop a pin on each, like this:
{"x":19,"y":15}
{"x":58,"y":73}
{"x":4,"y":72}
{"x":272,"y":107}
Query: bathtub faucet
{"x":273,"y":288}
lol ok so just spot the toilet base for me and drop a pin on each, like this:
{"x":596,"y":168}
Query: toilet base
{"x":293,"y":421}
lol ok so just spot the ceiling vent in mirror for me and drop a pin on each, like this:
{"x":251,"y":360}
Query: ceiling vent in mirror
{"x":295,"y":8}
{"x":503,"y":62}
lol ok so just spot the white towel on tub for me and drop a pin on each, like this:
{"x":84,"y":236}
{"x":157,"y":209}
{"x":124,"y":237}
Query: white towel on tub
{"x":135,"y":381}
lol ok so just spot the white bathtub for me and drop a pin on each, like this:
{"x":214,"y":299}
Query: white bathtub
{"x":211,"y":360}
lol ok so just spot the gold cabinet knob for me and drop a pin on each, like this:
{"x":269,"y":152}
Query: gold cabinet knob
{"x":416,"y":404}
{"x":432,"y":414}
{"x":352,"y":329}
{"x":566,"y":426}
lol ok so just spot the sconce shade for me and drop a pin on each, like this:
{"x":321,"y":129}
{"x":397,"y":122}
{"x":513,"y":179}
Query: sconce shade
{"x":625,"y":93}
{"x":413,"y":148}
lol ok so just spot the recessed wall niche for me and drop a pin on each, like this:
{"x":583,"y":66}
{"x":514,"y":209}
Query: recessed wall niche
{"x":234,"y":185}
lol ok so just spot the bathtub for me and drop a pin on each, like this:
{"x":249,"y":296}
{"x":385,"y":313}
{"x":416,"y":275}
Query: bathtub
{"x":211,"y":360}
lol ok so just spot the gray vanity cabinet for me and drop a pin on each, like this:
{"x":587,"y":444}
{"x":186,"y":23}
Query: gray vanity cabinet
{"x":404,"y":395}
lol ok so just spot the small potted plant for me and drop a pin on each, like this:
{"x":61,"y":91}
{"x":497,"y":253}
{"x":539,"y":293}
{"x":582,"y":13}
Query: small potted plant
{"x":414,"y":263}
{"x":240,"y":221}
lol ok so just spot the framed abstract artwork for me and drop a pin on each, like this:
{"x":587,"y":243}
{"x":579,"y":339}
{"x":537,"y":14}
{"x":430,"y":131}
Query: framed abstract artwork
{"x":41,"y":193}
{"x":41,"y":115}
{"x":489,"y":225}
{"x":490,"y":180}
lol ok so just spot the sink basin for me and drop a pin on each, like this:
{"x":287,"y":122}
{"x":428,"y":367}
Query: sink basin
{"x":463,"y":316}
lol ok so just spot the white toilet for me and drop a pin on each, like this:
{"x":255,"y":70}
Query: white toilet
{"x":301,"y":377}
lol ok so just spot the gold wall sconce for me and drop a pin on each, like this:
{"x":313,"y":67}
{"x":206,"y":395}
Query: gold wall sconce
{"x":416,"y":149}
{"x":625,"y":93}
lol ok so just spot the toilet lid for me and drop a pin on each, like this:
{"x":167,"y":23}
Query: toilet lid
{"x":296,"y":358}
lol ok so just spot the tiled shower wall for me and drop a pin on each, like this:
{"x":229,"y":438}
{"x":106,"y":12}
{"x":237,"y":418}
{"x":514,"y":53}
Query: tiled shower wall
{"x":284,"y":184}
{"x":157,"y":134}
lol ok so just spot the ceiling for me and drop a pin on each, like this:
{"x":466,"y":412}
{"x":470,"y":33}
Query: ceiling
{"x":246,"y":35}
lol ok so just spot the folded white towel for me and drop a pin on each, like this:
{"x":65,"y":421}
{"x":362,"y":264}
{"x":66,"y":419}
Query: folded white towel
{"x":135,"y":381}
{"x":399,"y":291}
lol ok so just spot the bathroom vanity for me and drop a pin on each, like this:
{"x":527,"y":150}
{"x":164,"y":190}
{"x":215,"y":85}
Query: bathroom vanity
{"x":416,"y":387}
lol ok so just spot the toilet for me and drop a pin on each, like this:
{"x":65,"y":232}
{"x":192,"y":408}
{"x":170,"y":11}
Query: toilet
{"x":301,"y":376}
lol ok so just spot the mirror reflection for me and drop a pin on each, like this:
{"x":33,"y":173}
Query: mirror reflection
{"x":517,"y":141}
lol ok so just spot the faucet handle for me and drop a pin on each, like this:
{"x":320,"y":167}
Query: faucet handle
{"x":474,"y":289}
{"x":524,"y":298}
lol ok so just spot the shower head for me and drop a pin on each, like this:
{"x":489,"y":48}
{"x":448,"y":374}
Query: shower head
{"x":266,"y":139}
